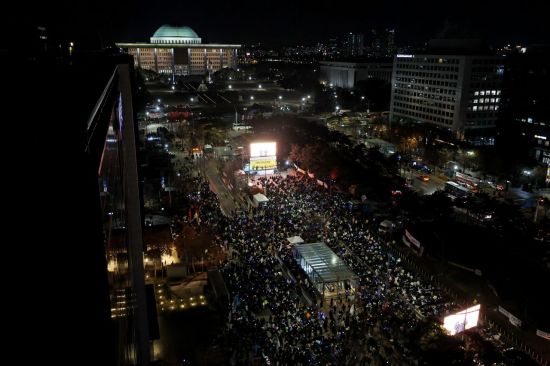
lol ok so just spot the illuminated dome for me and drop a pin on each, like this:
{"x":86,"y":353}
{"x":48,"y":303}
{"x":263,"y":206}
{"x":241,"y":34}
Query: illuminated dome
{"x":170,"y":34}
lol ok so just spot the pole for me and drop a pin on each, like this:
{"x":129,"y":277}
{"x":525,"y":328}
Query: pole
{"x":536,"y":211}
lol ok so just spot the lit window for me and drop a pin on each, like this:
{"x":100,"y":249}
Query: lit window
{"x":492,"y":100}
{"x":475,"y":101}
{"x":486,"y":100}
{"x":498,"y":92}
{"x":487,"y":92}
{"x":497,"y":100}
{"x":496,"y":108}
{"x":482,"y":92}
{"x":474,"y":108}
{"x":493,"y":92}
{"x":476,"y":93}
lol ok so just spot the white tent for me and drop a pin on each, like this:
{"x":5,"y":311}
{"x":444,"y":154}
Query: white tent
{"x":295,"y":240}
{"x":260,"y":198}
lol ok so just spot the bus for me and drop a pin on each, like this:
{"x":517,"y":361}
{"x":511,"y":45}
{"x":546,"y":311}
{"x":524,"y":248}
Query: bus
{"x":455,"y":190}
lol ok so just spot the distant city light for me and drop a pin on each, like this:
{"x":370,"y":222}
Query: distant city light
{"x":230,"y":78}
{"x":455,"y":167}
{"x":303,"y":99}
{"x":158,"y":108}
{"x":250,"y":78}
{"x":230,"y":86}
{"x":362,"y":97}
{"x":192,"y":99}
{"x":72,"y":44}
{"x":337,"y":107}
{"x":158,"y":100}
{"x":259,"y":86}
{"x":309,"y":97}
{"x":280,"y":97}
{"x":173,"y":87}
{"x":251,"y":97}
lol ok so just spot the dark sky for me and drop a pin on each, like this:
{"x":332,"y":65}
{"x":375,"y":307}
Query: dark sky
{"x":288,"y":22}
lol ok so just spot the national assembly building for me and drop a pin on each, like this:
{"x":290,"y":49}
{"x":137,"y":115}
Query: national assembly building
{"x":177,"y":50}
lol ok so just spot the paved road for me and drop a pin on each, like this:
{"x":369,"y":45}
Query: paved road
{"x":435,"y":183}
{"x":210,"y":170}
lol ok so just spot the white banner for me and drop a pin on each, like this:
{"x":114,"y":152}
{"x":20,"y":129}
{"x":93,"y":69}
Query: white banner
{"x":515,"y":321}
{"x":412,"y":239}
{"x":544,"y":335}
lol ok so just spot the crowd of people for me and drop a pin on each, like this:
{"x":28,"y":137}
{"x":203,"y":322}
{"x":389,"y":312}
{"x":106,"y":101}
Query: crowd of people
{"x":277,"y":317}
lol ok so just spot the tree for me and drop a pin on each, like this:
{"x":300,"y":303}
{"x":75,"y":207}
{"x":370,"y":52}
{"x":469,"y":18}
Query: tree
{"x":376,"y":92}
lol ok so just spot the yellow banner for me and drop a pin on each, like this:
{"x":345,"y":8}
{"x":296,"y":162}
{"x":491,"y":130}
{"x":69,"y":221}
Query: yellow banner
{"x":261,"y":164}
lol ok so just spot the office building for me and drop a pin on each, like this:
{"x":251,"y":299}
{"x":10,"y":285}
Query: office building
{"x":381,"y":43}
{"x":90,"y":248}
{"x":455,"y":86}
{"x":354,"y":44}
{"x":175,"y":50}
{"x":343,"y":74}
{"x":525,"y":117}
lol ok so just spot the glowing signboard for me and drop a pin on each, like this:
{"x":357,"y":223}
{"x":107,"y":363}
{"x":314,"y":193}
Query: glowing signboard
{"x":462,"y":320}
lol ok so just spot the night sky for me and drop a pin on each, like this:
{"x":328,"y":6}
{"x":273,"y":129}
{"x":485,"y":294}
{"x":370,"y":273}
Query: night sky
{"x":289,"y":22}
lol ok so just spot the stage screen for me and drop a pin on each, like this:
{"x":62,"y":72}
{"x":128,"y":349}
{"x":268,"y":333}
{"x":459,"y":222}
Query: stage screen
{"x":462,"y":320}
{"x":263,"y":155}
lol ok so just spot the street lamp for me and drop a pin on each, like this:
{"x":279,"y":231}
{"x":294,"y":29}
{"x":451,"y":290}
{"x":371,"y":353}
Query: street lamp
{"x":230,"y":86}
{"x":280,"y":97}
{"x":259,"y":86}
{"x":251,"y":97}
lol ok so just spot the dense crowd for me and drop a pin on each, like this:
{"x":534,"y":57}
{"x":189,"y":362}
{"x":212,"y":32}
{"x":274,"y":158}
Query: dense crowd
{"x":276,"y":315}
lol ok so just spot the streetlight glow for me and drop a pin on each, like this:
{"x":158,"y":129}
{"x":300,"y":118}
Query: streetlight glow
{"x":280,"y":97}
{"x":251,"y":97}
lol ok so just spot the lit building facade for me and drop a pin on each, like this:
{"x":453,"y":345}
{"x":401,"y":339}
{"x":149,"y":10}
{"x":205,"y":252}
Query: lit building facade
{"x":345,"y":74}
{"x":460,"y":93}
{"x":355,"y":44}
{"x":180,"y":51}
